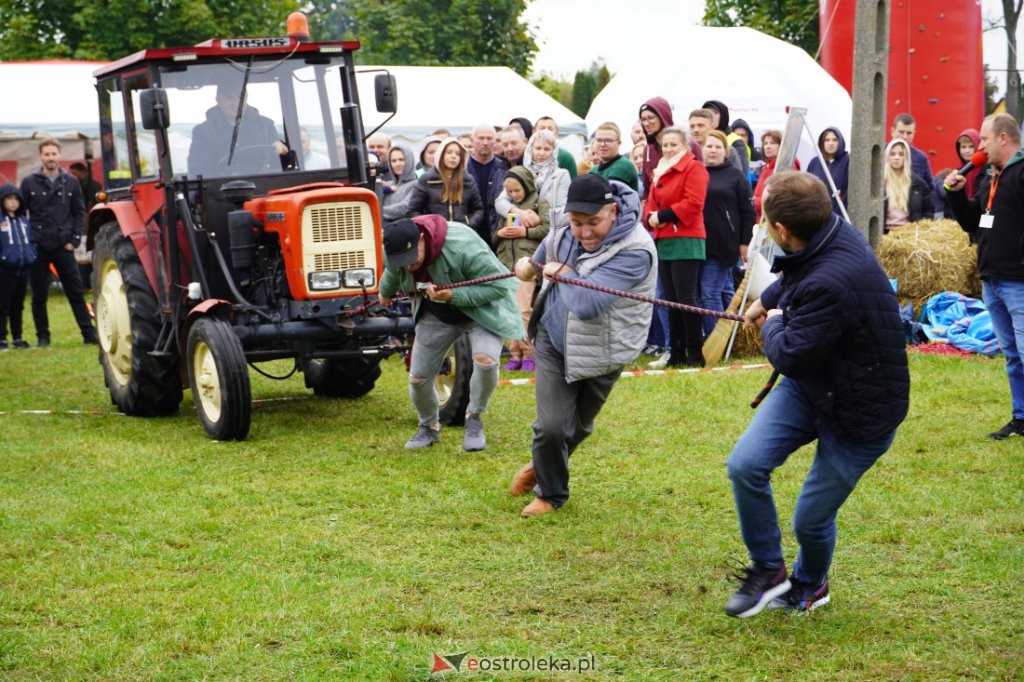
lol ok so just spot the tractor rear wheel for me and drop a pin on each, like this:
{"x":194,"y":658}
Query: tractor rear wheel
{"x":219,"y":378}
{"x":452,"y":382}
{"x":128,"y":324}
{"x":335,"y":378}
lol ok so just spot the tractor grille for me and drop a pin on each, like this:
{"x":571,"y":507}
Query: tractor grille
{"x":337,"y":236}
{"x":338,"y":261}
{"x":335,"y":223}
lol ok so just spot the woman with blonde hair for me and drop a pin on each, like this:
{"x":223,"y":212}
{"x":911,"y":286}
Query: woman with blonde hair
{"x":907,"y":196}
{"x":449,"y":191}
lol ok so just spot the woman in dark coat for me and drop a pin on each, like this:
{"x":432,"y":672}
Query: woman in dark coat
{"x":833,"y":148}
{"x":449,"y":191}
{"x":728,"y":222}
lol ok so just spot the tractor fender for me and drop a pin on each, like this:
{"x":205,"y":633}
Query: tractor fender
{"x":211,"y":307}
{"x":132,"y":226}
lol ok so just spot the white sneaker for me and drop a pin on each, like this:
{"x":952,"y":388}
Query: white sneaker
{"x":660,"y":362}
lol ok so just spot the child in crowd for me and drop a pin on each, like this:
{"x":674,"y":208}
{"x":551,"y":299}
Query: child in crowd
{"x":17,"y":254}
{"x":515,"y":241}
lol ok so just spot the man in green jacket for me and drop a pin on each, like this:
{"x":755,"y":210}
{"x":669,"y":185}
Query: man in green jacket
{"x":610,"y":163}
{"x":420,"y":254}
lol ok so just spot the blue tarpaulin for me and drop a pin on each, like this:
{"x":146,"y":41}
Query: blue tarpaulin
{"x":961,"y":321}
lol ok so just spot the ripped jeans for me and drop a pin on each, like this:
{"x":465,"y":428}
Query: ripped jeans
{"x":433,"y":339}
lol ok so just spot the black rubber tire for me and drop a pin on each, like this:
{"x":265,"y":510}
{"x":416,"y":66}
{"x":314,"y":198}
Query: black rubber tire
{"x":223,"y":402}
{"x":334,"y":378}
{"x":458,"y":361}
{"x":146,"y":386}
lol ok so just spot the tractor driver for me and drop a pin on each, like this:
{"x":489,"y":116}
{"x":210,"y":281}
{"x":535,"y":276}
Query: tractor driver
{"x":257,"y":148}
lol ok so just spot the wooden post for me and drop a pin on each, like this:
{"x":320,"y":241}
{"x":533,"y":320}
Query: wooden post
{"x":867,"y":146}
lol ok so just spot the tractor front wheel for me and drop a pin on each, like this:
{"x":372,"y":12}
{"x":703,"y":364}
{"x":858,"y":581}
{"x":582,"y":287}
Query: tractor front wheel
{"x":219,"y":378}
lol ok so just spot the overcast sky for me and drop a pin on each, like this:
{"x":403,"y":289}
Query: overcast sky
{"x":573,"y":33}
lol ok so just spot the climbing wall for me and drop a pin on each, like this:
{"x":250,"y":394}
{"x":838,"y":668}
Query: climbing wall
{"x":935,"y":66}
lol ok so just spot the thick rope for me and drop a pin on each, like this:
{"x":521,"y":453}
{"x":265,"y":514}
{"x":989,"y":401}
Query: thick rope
{"x":603,"y":289}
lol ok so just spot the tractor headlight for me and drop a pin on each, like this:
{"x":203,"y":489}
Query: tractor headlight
{"x":358,"y":277}
{"x":325,"y":280}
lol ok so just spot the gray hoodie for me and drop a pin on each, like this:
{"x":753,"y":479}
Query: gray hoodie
{"x":395,"y":204}
{"x":601,"y":331}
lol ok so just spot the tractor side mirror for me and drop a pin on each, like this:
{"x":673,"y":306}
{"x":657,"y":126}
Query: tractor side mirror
{"x":386,"y":91}
{"x":153,"y":106}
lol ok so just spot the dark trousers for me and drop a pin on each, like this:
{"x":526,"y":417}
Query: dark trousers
{"x":12,"y":301}
{"x":565,"y":417}
{"x":70,"y":278}
{"x":680,"y":280}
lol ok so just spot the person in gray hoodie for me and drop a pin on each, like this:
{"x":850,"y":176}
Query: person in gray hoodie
{"x":582,"y":338}
{"x":399,"y":183}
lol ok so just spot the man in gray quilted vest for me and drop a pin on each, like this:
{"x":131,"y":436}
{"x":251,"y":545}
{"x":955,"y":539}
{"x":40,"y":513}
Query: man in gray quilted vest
{"x":583,"y":338}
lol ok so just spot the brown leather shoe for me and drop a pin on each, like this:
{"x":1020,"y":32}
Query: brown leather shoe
{"x":538,"y":507}
{"x":523,"y":481}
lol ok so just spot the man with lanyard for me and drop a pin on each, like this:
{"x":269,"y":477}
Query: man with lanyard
{"x":583,"y":338}
{"x":420,"y":254}
{"x":996,"y":216}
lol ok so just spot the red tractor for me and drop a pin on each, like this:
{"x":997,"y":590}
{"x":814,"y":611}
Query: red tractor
{"x":240,"y":225}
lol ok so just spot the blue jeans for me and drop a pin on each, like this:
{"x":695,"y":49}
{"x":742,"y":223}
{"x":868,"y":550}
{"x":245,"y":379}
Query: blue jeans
{"x":1004,"y":299}
{"x":785,"y":422}
{"x":658,"y":336}
{"x":716,"y":289}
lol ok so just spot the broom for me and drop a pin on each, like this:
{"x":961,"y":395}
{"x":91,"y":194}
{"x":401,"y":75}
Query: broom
{"x":718,"y":339}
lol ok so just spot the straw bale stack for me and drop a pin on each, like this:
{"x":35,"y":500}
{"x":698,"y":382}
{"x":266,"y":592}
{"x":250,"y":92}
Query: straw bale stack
{"x":929,"y":257}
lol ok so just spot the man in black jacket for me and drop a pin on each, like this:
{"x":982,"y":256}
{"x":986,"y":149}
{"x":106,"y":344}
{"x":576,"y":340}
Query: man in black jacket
{"x":996,"y":216}
{"x":57,"y":214}
{"x":832,"y":327}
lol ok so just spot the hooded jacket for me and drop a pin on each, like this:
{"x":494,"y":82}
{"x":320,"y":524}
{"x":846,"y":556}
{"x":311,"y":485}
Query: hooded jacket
{"x":16,"y":250}
{"x":838,"y":167}
{"x":974,"y":175}
{"x":678,"y":198}
{"x":728,"y":213}
{"x":753,"y":154}
{"x":396,"y":201}
{"x":511,"y":250}
{"x":660,"y":107}
{"x":56,"y":209}
{"x":840,"y":336}
{"x":458,"y":254}
{"x":1000,"y":247}
{"x":596,"y":332}
{"x":741,"y":153}
{"x":421,"y":166}
{"x":425,"y":197}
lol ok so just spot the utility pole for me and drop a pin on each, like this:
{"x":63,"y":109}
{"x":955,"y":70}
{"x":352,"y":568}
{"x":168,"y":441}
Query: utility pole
{"x":870,"y":75}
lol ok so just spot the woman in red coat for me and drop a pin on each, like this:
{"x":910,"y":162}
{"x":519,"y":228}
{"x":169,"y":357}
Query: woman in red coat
{"x":674,"y":212}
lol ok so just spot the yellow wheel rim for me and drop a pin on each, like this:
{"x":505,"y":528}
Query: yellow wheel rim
{"x":207,"y":381}
{"x":444,"y":384}
{"x":113,"y":322}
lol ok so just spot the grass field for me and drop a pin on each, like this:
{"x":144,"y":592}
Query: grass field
{"x":319,"y":549}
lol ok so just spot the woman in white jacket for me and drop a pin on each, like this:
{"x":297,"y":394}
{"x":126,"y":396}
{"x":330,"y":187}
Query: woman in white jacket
{"x":552,"y":182}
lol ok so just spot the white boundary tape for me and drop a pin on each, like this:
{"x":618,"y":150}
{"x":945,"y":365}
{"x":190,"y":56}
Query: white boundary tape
{"x":651,"y":373}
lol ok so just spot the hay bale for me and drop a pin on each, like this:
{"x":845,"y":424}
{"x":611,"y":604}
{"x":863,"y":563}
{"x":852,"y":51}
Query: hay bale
{"x":929,"y":257}
{"x":748,"y":343}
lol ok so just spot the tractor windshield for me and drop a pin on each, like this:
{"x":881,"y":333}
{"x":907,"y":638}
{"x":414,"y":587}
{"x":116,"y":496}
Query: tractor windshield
{"x":280,"y":116}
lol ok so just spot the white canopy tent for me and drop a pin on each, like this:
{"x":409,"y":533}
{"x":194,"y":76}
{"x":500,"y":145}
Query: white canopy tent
{"x":458,"y":98}
{"x":755,"y":75}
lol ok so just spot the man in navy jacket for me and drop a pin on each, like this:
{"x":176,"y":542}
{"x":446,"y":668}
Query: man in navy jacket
{"x":832,"y":328}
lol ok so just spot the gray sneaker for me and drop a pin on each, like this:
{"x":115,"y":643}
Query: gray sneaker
{"x":424,"y":438}
{"x":473,"y":439}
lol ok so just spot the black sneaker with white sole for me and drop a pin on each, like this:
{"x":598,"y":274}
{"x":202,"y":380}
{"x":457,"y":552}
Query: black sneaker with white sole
{"x":1014,"y":427}
{"x":802,"y":597}
{"x":758,"y":587}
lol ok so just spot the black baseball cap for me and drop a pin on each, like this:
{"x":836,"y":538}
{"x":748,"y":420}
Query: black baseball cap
{"x":589,"y":193}
{"x":401,"y":243}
